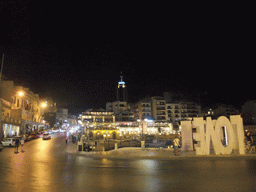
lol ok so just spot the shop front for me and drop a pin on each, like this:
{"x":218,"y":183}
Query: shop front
{"x":11,"y":130}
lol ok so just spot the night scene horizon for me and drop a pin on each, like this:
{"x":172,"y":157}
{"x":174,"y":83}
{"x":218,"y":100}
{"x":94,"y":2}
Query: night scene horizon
{"x":77,"y":61}
{"x":127,"y":96}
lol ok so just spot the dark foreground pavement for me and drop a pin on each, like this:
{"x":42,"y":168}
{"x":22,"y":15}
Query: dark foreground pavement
{"x":54,"y":166}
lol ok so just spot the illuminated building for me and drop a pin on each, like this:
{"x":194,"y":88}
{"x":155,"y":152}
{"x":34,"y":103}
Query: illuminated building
{"x":22,"y":110}
{"x":180,"y":111}
{"x":94,"y":118}
{"x":121,"y":90}
{"x":99,"y":124}
{"x":142,"y":109}
{"x":120,"y":108}
{"x":117,"y":107}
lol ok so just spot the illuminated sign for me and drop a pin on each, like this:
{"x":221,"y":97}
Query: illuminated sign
{"x":226,"y":135}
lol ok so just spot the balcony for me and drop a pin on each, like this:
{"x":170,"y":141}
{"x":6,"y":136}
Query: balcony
{"x":160,"y":103}
{"x":161,"y":113}
{"x":160,"y":108}
{"x":161,"y":118}
{"x":11,"y":120}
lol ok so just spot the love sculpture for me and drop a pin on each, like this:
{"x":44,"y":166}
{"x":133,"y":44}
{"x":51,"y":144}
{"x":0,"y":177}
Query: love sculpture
{"x":217,"y":131}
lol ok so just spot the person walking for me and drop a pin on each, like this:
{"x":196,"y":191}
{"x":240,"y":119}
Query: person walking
{"x":17,"y":142}
{"x":249,"y":141}
{"x":176,"y":144}
{"x":22,"y":143}
{"x":66,"y":139}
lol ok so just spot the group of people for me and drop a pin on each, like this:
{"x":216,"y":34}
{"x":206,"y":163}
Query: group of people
{"x":17,"y":143}
{"x":74,"y":138}
{"x":248,"y":143}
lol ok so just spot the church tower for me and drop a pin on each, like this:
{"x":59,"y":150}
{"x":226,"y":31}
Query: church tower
{"x":121,"y":90}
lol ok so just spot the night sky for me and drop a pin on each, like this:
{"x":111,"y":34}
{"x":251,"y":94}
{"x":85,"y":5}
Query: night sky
{"x":75,"y":53}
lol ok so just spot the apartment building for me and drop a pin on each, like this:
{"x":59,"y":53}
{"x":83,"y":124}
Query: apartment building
{"x":158,"y":108}
{"x":180,"y":111}
{"x":117,"y":106}
{"x":142,"y":109}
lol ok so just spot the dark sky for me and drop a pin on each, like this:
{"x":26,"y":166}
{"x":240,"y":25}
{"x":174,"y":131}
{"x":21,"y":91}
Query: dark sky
{"x":75,"y":52}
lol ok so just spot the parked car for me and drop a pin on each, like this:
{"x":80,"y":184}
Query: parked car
{"x":40,"y":134}
{"x":1,"y":146}
{"x":9,"y":142}
{"x":169,"y":144}
{"x":33,"y":136}
{"x":27,"y":137}
{"x":46,"y":136}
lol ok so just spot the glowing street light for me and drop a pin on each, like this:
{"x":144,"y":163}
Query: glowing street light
{"x":20,"y":93}
{"x":43,"y":105}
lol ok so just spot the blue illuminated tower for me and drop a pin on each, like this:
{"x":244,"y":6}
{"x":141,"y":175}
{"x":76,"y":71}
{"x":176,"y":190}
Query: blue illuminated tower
{"x":121,"y":90}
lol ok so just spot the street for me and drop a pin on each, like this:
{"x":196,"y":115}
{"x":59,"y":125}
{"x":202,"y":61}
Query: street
{"x":51,"y":165}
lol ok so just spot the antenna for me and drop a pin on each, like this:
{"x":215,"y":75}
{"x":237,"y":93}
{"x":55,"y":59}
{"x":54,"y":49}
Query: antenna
{"x":121,"y":76}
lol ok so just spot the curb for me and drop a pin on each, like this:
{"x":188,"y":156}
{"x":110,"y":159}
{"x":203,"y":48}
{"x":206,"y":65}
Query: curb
{"x":138,"y":153}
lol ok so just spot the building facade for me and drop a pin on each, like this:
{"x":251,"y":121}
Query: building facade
{"x":99,"y":124}
{"x":92,"y":118}
{"x":158,"y":108}
{"x":61,"y":117}
{"x":120,"y":107}
{"x":225,"y":110}
{"x":117,"y":106}
{"x":180,"y":111}
{"x":143,"y":109}
{"x":249,"y":112}
{"x":22,"y":111}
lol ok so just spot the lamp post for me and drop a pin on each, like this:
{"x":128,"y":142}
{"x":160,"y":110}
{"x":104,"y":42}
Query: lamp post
{"x":43,"y":106}
{"x":1,"y":123}
{"x":20,"y":94}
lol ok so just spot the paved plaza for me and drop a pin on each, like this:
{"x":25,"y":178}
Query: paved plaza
{"x":54,"y":166}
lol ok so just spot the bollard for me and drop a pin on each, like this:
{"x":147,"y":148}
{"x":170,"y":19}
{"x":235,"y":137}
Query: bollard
{"x":116,"y":146}
{"x":142,"y":144}
{"x":79,"y":146}
{"x":103,"y":149}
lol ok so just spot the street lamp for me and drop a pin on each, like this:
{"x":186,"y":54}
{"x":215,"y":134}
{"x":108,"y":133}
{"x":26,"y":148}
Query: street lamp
{"x":43,"y":105}
{"x":20,"y":93}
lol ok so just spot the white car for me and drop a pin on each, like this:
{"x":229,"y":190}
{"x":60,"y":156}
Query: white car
{"x":46,"y":136}
{"x":9,"y":142}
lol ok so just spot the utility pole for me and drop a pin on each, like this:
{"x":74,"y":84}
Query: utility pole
{"x":1,"y":101}
{"x":2,"y":65}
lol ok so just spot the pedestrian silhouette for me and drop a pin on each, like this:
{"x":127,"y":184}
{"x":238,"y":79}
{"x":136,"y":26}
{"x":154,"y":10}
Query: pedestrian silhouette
{"x":17,"y":142}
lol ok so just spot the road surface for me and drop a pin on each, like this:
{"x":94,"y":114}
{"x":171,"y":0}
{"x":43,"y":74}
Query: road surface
{"x":51,"y":165}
